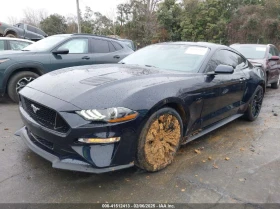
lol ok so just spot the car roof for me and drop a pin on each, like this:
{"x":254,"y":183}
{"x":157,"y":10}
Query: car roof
{"x":202,"y":44}
{"x":265,"y":45}
{"x":16,"y":39}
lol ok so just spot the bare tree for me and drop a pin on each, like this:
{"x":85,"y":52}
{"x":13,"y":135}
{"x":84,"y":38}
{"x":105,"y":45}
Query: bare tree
{"x":34,"y":17}
{"x":72,"y":26}
{"x":12,"y":20}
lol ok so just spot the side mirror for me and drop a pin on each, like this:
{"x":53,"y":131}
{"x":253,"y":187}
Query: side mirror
{"x":61,"y":51}
{"x":224,"y":69}
{"x":274,"y":58}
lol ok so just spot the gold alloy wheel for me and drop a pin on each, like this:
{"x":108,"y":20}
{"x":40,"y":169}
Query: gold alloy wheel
{"x":162,"y":141}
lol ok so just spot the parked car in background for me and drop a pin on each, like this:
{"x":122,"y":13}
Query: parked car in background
{"x":138,"y":112}
{"x":22,"y":31}
{"x":264,"y":56}
{"x":129,"y":43}
{"x":18,"y":68}
{"x":13,"y":43}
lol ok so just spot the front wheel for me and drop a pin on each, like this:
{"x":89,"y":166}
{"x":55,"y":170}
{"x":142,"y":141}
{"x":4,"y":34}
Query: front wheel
{"x":11,"y":35}
{"x":159,"y":140}
{"x":276,"y":84}
{"x":255,"y":105}
{"x":18,"y":82}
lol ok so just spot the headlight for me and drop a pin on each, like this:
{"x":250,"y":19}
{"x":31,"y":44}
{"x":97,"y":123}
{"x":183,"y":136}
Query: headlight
{"x":111,"y":115}
{"x":3,"y":60}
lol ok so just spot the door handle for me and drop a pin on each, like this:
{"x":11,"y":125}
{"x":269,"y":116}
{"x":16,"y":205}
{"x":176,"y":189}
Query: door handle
{"x":117,"y":57}
{"x":86,"y":58}
{"x":242,"y":79}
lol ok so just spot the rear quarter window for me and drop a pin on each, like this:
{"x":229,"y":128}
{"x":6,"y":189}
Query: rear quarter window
{"x":117,"y":46}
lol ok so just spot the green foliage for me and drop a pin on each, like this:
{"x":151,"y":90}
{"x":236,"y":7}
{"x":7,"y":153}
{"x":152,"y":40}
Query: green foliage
{"x":152,"y":21}
{"x":54,"y":24}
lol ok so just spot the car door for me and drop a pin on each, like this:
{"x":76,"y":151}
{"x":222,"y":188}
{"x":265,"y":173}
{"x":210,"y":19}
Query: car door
{"x":105,"y":51}
{"x":224,"y":92}
{"x":79,"y":54}
{"x":30,"y":33}
{"x":2,"y":45}
{"x":273,"y":65}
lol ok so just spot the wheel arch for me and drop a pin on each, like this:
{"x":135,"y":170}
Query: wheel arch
{"x":175,"y":103}
{"x":10,"y":31}
{"x":12,"y":71}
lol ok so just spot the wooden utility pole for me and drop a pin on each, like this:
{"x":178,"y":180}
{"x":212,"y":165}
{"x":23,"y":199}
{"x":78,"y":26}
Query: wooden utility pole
{"x":78,"y":15}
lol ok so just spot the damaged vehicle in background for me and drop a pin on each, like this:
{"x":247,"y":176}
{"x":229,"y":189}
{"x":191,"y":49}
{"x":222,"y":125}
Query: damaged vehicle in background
{"x":102,"y":118}
{"x":264,"y":56}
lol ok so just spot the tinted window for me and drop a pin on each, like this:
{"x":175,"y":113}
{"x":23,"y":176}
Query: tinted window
{"x":251,"y":51}
{"x":18,"y":45}
{"x":2,"y":45}
{"x":225,"y":57}
{"x":117,"y":46}
{"x":272,"y":51}
{"x":111,"y":47}
{"x":276,"y":51}
{"x":100,"y":46}
{"x":32,"y":29}
{"x":176,"y":57}
{"x":76,"y":46}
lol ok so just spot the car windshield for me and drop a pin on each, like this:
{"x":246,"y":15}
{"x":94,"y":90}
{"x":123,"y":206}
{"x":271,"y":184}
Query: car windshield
{"x":177,"y":57}
{"x":45,"y":44}
{"x":251,"y":52}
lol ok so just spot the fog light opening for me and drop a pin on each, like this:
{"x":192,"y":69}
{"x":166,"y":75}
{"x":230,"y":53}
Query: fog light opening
{"x":99,"y":140}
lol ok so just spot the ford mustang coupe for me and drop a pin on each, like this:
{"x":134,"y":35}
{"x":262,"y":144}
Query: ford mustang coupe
{"x":102,"y":118}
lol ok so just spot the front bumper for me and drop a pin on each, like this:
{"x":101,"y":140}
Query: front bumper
{"x":64,"y":150}
{"x":67,"y":163}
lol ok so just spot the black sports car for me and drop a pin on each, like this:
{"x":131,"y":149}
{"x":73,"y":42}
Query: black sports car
{"x":106,"y":117}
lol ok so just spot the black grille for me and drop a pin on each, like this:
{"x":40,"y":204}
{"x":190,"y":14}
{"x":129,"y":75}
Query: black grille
{"x":43,"y":141}
{"x":45,"y":116}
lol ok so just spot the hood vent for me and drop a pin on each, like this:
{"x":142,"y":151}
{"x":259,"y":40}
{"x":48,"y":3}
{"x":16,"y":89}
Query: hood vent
{"x":96,"y":81}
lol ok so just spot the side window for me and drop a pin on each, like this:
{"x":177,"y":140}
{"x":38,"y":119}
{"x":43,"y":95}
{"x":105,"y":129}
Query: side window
{"x":225,"y":57}
{"x":18,"y":45}
{"x":111,"y":47}
{"x":117,"y":46}
{"x":2,"y":45}
{"x":20,"y":26}
{"x":272,"y":52}
{"x":276,"y":51}
{"x":100,"y":46}
{"x":76,"y":46}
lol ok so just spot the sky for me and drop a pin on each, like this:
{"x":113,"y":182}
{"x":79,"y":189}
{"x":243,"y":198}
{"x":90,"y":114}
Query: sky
{"x":63,"y":7}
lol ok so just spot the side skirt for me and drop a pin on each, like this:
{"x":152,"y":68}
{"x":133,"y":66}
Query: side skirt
{"x":212,"y":128}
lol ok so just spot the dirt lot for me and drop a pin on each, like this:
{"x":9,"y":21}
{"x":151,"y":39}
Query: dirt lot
{"x":237,"y":163}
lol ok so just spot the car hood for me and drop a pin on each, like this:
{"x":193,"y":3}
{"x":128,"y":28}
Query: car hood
{"x":102,"y":86}
{"x":257,"y":61}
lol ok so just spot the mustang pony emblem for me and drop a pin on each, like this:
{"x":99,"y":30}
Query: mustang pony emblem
{"x":35,"y":109}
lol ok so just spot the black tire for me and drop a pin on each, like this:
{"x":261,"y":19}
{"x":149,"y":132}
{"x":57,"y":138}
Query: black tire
{"x":276,"y":84}
{"x":255,"y":105}
{"x":159,"y":140}
{"x":22,"y":78}
{"x":10,"y":35}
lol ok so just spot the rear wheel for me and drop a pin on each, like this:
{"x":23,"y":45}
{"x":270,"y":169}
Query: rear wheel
{"x":276,"y":84}
{"x":18,"y":82}
{"x":10,"y":35}
{"x":159,"y":140}
{"x":255,"y":105}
